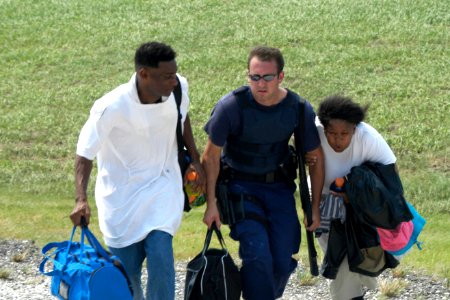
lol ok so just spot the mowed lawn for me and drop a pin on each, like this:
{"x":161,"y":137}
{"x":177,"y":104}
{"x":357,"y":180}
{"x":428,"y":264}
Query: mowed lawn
{"x":57,"y":57}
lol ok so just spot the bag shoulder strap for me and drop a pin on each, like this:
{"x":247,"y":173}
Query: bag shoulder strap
{"x":178,"y":97}
{"x":299,"y":133}
{"x":299,"y":136}
{"x":177,"y":94}
{"x":96,"y":244}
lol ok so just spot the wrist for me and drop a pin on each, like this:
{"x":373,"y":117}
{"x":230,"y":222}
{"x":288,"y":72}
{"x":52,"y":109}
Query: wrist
{"x":211,"y":200}
{"x":81,"y":199}
{"x":195,"y":157}
{"x":196,"y":163}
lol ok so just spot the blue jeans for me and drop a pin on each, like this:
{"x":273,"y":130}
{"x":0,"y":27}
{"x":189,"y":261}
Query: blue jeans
{"x":157,"y":247}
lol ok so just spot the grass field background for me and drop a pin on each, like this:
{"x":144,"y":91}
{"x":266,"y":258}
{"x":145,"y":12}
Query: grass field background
{"x":58,"y":57}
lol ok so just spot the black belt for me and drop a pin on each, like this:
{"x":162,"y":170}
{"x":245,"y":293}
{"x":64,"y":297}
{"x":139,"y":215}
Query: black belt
{"x":271,"y":177}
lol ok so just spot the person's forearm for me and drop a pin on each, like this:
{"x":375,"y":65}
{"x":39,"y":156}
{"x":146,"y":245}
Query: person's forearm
{"x":317,"y":176}
{"x":189,"y":141}
{"x":211,"y":165}
{"x":83,"y":168}
{"x":212,"y":169}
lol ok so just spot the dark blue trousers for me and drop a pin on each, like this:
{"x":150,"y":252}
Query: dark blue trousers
{"x":266,"y":252}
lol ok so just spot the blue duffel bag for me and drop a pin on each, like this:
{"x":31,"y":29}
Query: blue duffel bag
{"x":85,"y":272}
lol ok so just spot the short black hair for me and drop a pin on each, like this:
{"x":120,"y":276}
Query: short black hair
{"x":342,"y":108}
{"x":265,"y":53}
{"x":150,"y":54}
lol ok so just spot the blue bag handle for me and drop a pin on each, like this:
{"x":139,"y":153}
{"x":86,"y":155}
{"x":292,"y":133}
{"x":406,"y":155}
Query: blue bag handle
{"x":58,"y":266}
{"x":66,"y":245}
{"x":95,"y":243}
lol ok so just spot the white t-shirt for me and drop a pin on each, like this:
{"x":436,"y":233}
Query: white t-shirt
{"x":366,"y":145}
{"x":139,"y":184}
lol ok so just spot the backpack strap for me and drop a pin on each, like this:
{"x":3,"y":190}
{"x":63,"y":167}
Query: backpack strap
{"x":181,"y":157}
{"x":177,"y":94}
{"x":299,"y":136}
{"x":300,"y":130}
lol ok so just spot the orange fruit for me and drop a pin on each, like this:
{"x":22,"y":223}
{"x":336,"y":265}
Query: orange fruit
{"x":191,"y":176}
{"x":339,"y":182}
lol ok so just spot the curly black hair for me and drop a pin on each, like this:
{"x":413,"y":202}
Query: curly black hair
{"x":342,"y":108}
{"x":152,"y":53}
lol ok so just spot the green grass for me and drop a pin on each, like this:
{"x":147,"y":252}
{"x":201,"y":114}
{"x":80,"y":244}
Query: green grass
{"x":58,"y":57}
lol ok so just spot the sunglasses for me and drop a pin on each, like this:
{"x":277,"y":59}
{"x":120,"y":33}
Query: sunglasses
{"x":267,"y":77}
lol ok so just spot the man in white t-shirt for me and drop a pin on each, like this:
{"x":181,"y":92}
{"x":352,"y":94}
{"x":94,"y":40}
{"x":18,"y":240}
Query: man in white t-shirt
{"x":132,"y":132}
{"x":347,"y":142}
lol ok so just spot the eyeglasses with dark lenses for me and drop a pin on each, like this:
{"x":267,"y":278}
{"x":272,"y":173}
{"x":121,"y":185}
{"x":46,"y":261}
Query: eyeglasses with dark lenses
{"x":257,"y":77}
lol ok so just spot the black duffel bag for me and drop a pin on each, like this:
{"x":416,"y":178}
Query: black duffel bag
{"x":212,"y":274}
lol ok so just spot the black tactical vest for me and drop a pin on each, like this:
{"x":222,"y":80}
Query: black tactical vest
{"x":262,"y":144}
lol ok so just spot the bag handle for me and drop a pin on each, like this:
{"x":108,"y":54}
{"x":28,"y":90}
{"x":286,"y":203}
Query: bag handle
{"x":208,"y":238}
{"x":64,"y":257}
{"x":47,"y":248}
{"x":93,"y":241}
{"x":58,"y":266}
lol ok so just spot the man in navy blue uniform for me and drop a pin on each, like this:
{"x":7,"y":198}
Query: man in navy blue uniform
{"x":249,"y":132}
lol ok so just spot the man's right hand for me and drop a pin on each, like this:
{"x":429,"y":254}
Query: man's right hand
{"x":81,"y":209}
{"x":212,"y":215}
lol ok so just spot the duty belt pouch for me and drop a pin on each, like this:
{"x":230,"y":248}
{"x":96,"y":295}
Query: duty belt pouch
{"x":231,"y":207}
{"x":289,"y":168}
{"x":222,"y":202}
